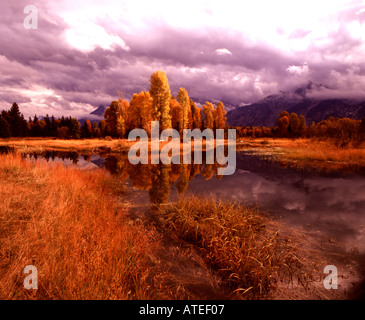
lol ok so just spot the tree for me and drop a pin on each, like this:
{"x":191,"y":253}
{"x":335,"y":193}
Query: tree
{"x":161,"y":95}
{"x":16,"y":121}
{"x":176,"y":115}
{"x":184,"y":101}
{"x":4,"y":128}
{"x":74,"y":129}
{"x":302,"y":126}
{"x":140,"y":111}
{"x":283,"y":124}
{"x":219,"y":116}
{"x":208,"y":121}
{"x":115,"y":121}
{"x":102,"y":127}
{"x":87,"y":130}
{"x":196,"y":115}
{"x":293,"y":124}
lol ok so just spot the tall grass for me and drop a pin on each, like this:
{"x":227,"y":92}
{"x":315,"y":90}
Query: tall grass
{"x":68,"y":224}
{"x":243,"y":247}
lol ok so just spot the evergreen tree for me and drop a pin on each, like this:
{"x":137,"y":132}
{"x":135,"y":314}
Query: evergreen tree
{"x":4,"y":128}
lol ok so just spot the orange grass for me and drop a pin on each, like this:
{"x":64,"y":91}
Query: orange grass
{"x":310,"y":152}
{"x":69,"y":224}
{"x":240,"y":244}
{"x":83,"y":145}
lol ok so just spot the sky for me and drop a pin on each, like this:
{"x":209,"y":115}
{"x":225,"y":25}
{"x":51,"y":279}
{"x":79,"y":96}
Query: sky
{"x":85,"y":53}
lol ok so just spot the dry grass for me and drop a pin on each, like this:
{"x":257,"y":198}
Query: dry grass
{"x":69,"y":224}
{"x":242,"y":246}
{"x":322,"y":150}
{"x":38,"y":145}
{"x":319,"y":154}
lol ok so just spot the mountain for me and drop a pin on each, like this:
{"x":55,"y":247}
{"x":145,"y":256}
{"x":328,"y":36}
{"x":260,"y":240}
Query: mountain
{"x":266,"y":111}
{"x":99,"y":111}
{"x":96,"y":115}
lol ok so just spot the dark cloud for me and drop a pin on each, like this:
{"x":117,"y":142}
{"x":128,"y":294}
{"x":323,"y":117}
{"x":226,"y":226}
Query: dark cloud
{"x":45,"y":74}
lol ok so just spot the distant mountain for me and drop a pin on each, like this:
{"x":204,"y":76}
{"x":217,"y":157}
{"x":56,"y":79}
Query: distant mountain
{"x":96,"y":115}
{"x":267,"y":111}
{"x":99,"y":111}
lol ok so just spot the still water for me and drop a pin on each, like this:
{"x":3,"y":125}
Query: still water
{"x":331,"y":204}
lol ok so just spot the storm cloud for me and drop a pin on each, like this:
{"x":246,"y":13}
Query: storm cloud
{"x":84,"y":52}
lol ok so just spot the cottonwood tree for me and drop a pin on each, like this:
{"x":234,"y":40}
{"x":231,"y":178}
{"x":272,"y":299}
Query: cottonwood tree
{"x":161,"y":95}
{"x":219,"y":116}
{"x":183,"y":98}
{"x":140,"y":111}
{"x":208,"y":121}
{"x":176,"y":112}
{"x":196,"y":115}
{"x":115,"y":118}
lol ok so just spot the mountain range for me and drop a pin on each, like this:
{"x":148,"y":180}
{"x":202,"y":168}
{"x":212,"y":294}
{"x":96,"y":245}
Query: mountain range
{"x":266,"y":111}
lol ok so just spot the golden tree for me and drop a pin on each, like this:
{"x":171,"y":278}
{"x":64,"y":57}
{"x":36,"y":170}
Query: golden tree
{"x":219,"y":116}
{"x":115,"y":117}
{"x":184,"y":101}
{"x":176,"y":115}
{"x":161,"y":95}
{"x":208,"y":115}
{"x":140,"y":111}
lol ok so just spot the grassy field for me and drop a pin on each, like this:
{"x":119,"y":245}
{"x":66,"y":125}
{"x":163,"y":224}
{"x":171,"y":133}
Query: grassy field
{"x":26,"y":145}
{"x":319,"y":154}
{"x":75,"y":227}
{"x":69,"y":224}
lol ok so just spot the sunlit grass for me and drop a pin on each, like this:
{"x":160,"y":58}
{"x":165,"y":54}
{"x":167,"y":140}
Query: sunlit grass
{"x":240,"y":244}
{"x":66,"y":222}
{"x":83,"y":145}
{"x":310,"y":152}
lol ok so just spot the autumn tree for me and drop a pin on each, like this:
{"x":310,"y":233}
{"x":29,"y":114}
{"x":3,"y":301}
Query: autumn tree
{"x":219,"y":116}
{"x":283,"y":123}
{"x":161,"y":95}
{"x":115,"y":117}
{"x":176,"y":115}
{"x":102,"y":127}
{"x":87,"y":130}
{"x":184,"y":101}
{"x":208,"y":121}
{"x":140,"y":111}
{"x":196,"y":115}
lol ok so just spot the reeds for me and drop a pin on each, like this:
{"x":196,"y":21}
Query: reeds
{"x":238,"y":242}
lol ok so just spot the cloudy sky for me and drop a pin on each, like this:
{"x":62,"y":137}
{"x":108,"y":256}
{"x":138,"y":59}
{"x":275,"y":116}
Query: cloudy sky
{"x":84,"y":52}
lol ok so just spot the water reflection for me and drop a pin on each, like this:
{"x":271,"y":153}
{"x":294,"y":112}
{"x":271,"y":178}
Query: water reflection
{"x":157,"y":179}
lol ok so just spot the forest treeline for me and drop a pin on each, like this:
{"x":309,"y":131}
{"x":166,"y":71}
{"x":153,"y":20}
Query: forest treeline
{"x":178,"y":112}
{"x":342,"y":130}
